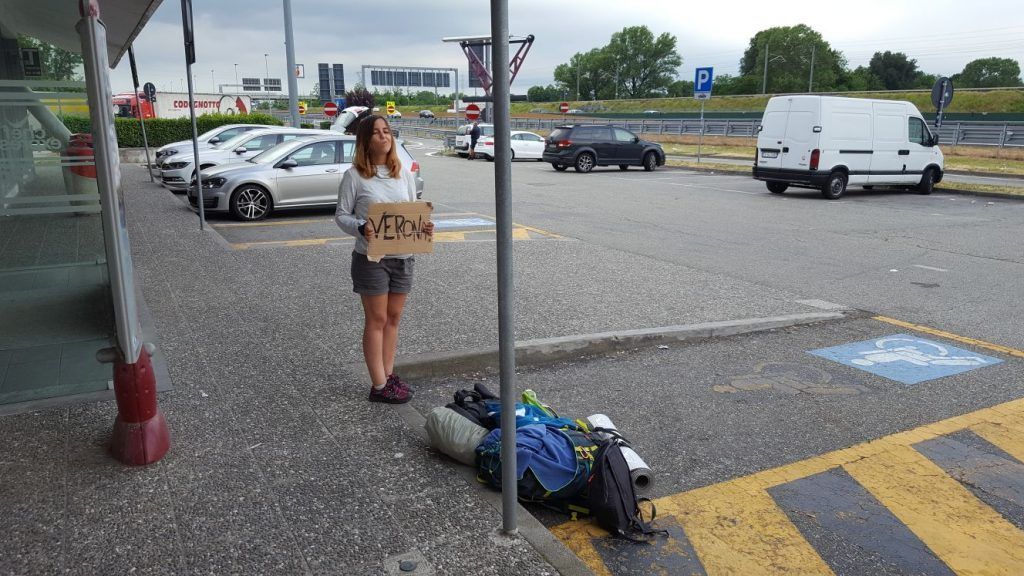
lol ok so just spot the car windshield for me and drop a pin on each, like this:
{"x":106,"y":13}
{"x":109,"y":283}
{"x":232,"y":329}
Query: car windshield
{"x":278,"y":152}
{"x":234,"y":142}
{"x":210,"y":133}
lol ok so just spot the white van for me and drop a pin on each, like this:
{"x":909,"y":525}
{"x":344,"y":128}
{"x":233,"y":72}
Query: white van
{"x":828,"y":142}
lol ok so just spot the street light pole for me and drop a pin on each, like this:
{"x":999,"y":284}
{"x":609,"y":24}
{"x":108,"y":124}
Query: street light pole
{"x":213,"y":82}
{"x":764,"y":84}
{"x":810,"y":82}
{"x":267,"y":64}
{"x":236,"y":77}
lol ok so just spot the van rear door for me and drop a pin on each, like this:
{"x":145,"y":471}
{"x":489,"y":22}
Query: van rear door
{"x":773,"y":133}
{"x":800,"y":136}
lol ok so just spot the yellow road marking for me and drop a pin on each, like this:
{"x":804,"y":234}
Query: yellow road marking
{"x":966,"y":534}
{"x":271,"y":223}
{"x":538,"y":231}
{"x":289,"y":243}
{"x":734,"y":517}
{"x":949,"y":335}
{"x":1007,"y":434}
{"x":736,"y":530}
{"x":451,"y":236}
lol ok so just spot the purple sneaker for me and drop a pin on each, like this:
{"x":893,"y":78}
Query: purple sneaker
{"x":397,"y":380}
{"x":391,"y":393}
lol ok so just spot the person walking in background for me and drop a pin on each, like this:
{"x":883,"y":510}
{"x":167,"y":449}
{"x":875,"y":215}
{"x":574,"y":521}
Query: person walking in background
{"x":474,"y":135}
{"x":377,"y":175}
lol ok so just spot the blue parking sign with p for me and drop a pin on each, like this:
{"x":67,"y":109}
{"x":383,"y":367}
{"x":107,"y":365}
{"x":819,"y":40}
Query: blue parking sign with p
{"x":702,"y":80}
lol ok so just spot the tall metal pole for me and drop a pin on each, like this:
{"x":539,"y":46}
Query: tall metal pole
{"x":700,"y":137}
{"x":506,"y":299}
{"x":289,"y":46}
{"x":236,"y":78}
{"x":190,"y":58}
{"x":142,"y":121}
{"x":810,"y":83}
{"x":764,"y":85}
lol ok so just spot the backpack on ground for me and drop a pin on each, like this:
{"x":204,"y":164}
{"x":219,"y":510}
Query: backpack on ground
{"x":612,"y":500}
{"x":553,"y":465}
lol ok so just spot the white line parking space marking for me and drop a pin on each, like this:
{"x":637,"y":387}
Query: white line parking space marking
{"x":930,"y":268}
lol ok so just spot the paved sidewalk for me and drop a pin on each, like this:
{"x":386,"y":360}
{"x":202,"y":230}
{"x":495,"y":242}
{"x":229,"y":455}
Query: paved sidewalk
{"x":278,"y":464}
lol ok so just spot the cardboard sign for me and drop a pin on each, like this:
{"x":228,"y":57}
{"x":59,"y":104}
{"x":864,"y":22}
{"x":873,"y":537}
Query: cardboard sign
{"x":398,"y":228}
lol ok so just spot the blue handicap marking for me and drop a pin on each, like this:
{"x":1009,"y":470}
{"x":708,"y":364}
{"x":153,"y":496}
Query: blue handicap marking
{"x":905,"y":358}
{"x":462,"y":223}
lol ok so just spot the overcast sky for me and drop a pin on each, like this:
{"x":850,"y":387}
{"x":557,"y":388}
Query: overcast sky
{"x":942,"y":35}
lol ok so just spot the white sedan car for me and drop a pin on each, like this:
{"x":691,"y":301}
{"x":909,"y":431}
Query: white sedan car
{"x":525,"y":145}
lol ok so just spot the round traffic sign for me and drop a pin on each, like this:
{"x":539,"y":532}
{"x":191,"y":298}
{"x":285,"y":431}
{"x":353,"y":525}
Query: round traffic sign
{"x":563,"y":107}
{"x":330,"y":109}
{"x":472,"y":111}
{"x":391,"y":109}
{"x":302,"y":107}
{"x":942,"y":92}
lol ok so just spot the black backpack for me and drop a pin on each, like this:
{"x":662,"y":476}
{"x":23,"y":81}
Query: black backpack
{"x":470,"y":404}
{"x":613,"y":502}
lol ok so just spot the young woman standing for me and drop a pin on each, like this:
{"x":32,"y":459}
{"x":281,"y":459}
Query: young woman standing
{"x":377,"y":175}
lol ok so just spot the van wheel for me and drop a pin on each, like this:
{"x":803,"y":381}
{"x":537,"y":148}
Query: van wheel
{"x":584,"y":162}
{"x":623,"y":166}
{"x":835,"y":186}
{"x":650,"y":162}
{"x":927,"y":185}
{"x":559,"y":167}
{"x":777,"y":187}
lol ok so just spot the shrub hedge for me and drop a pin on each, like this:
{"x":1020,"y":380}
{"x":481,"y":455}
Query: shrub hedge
{"x":160,"y":131}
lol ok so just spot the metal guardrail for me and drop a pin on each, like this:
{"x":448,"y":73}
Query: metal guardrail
{"x":962,"y":133}
{"x":997,"y":134}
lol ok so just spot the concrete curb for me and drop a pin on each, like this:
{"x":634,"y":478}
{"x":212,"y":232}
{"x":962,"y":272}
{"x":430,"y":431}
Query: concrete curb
{"x":548,"y":350}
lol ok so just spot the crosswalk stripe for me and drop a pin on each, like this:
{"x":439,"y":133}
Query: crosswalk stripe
{"x":736,"y":528}
{"x":966,"y":534}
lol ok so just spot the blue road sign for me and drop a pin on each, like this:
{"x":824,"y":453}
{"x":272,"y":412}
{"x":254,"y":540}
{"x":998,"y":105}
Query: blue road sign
{"x":905,"y":358}
{"x":703,"y":78}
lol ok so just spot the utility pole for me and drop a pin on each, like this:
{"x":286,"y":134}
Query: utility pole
{"x":764,"y":84}
{"x":810,"y":83}
{"x":236,"y":77}
{"x":577,"y":80}
{"x":293,"y":83}
{"x":213,"y":82}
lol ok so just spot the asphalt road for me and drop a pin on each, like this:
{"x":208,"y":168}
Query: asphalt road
{"x":949,"y":261}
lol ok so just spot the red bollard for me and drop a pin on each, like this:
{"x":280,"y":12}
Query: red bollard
{"x":140,"y":431}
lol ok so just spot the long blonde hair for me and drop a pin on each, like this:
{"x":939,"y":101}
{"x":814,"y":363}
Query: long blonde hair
{"x":363,"y":162}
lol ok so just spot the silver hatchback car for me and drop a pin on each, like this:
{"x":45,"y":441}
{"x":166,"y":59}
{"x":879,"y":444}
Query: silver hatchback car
{"x":297,"y":174}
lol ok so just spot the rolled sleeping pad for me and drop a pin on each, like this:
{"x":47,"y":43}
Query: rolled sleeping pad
{"x":641,"y":474}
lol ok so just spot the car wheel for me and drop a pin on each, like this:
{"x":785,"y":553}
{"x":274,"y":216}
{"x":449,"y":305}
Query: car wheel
{"x":623,"y":166}
{"x":489,"y":158}
{"x":250,"y":202}
{"x":559,"y":167}
{"x":927,"y":185}
{"x":777,"y":187}
{"x":513,"y":152}
{"x":834,"y":186}
{"x":584,"y":162}
{"x":650,"y":161}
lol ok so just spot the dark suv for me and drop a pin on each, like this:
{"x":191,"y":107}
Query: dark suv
{"x":584,"y":146}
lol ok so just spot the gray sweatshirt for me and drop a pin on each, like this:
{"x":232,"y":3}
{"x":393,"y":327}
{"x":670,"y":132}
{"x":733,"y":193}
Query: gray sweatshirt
{"x":357,"y":193}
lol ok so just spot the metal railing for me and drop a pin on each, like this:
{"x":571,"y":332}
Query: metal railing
{"x":962,"y":133}
{"x":959,"y":133}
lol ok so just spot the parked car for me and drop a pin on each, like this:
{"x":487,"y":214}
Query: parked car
{"x":298,"y":174}
{"x":525,"y":145}
{"x":584,"y":146}
{"x":462,"y":137}
{"x":574,"y":111}
{"x":830,"y":142}
{"x":652,"y":112}
{"x":426,"y":114}
{"x":395,"y":114}
{"x":207,"y":139}
{"x":177,"y":171}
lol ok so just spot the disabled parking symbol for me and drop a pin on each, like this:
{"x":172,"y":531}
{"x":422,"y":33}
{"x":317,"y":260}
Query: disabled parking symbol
{"x":905,"y":358}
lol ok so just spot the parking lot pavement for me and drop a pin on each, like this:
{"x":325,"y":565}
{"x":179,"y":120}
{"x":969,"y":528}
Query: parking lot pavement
{"x":317,"y":228}
{"x":774,"y":454}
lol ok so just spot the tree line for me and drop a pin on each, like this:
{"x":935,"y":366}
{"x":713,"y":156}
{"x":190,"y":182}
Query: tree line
{"x":784,"y":59}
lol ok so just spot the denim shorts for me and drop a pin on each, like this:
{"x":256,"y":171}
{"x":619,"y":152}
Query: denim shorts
{"x":376,"y":278}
